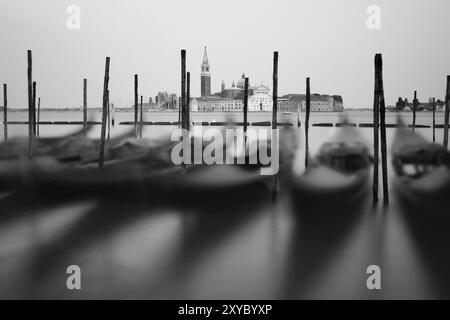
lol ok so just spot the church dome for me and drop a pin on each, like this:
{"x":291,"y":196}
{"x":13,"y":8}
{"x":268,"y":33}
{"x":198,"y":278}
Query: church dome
{"x":241,"y":82}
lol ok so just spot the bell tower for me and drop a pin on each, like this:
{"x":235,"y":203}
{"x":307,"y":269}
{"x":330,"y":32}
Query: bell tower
{"x":205,"y":76}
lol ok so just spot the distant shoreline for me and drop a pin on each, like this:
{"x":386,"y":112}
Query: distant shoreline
{"x":129,"y":110}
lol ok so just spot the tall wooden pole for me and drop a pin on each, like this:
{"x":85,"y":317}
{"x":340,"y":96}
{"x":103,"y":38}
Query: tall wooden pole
{"x":38,"y":116}
{"x":275,"y":118}
{"x":414,"y":111}
{"x":376,"y":115}
{"x":183,"y":89}
{"x":447,"y":110}
{"x":5,"y":111}
{"x":30,"y":103}
{"x":275,"y":90}
{"x":141,"y":117}
{"x":136,"y":97}
{"x":188,"y":100}
{"x":179,"y":110}
{"x":183,"y":102}
{"x":245,"y":109}
{"x":109,"y":117}
{"x":105,"y":106}
{"x":34,"y":108}
{"x":379,"y":62}
{"x":308,"y":110}
{"x":85,"y":106}
{"x":434,"y":119}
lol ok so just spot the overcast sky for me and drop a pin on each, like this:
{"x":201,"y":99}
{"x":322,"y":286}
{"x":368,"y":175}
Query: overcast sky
{"x":327,"y":40}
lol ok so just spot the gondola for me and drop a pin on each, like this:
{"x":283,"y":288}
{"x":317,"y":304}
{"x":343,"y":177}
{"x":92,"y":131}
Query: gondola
{"x":337,"y":176}
{"x":422,"y":170}
{"x":17,"y":169}
{"x":153,"y":171}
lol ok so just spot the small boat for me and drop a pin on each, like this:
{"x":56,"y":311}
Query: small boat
{"x":422,"y":170}
{"x":74,"y":147}
{"x":17,"y":169}
{"x":151,"y":169}
{"x":337,"y":175}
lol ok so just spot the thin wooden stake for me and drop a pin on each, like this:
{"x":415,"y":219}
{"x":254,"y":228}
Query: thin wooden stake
{"x":414,"y":111}
{"x":245,"y":109}
{"x":105,"y":106}
{"x":34,"y":108}
{"x":109,"y":118}
{"x":136,"y":97}
{"x":141,"y":118}
{"x":179,"y":110}
{"x":376,"y":114}
{"x":5,"y":111}
{"x":183,"y":89}
{"x":30,"y":103}
{"x":38,"y":116}
{"x":112,"y":112}
{"x":275,"y":90}
{"x":85,"y":106}
{"x":276,"y":183}
{"x":188,"y":101}
{"x":379,"y":61}
{"x":183,"y":102}
{"x":447,"y":109}
{"x":434,"y":119}
{"x":308,"y":110}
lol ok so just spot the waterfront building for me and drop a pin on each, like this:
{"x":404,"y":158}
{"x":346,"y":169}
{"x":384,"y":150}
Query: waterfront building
{"x":259,"y":97}
{"x":319,"y":102}
{"x":215,"y":103}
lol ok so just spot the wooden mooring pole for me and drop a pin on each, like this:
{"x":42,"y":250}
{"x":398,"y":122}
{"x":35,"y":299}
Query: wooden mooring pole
{"x":109,"y":117}
{"x":414,"y":111}
{"x":136,"y":97}
{"x":5,"y":111}
{"x":141,"y":117}
{"x":245,"y":110}
{"x":379,"y":61}
{"x":30,"y":103}
{"x":188,"y":101}
{"x":275,"y":90}
{"x":85,"y":106}
{"x":276,"y":182}
{"x":376,"y":115}
{"x":447,"y":110}
{"x":434,"y":118}
{"x":183,"y":102}
{"x":183,"y":89}
{"x":34,"y":109}
{"x":308,"y":110}
{"x":104,"y":110}
{"x":38,"y":116}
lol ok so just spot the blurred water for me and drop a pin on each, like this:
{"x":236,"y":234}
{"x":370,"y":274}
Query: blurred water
{"x":155,"y":247}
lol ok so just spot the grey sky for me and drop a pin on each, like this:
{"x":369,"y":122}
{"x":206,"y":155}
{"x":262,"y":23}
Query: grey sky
{"x":325,"y":39}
